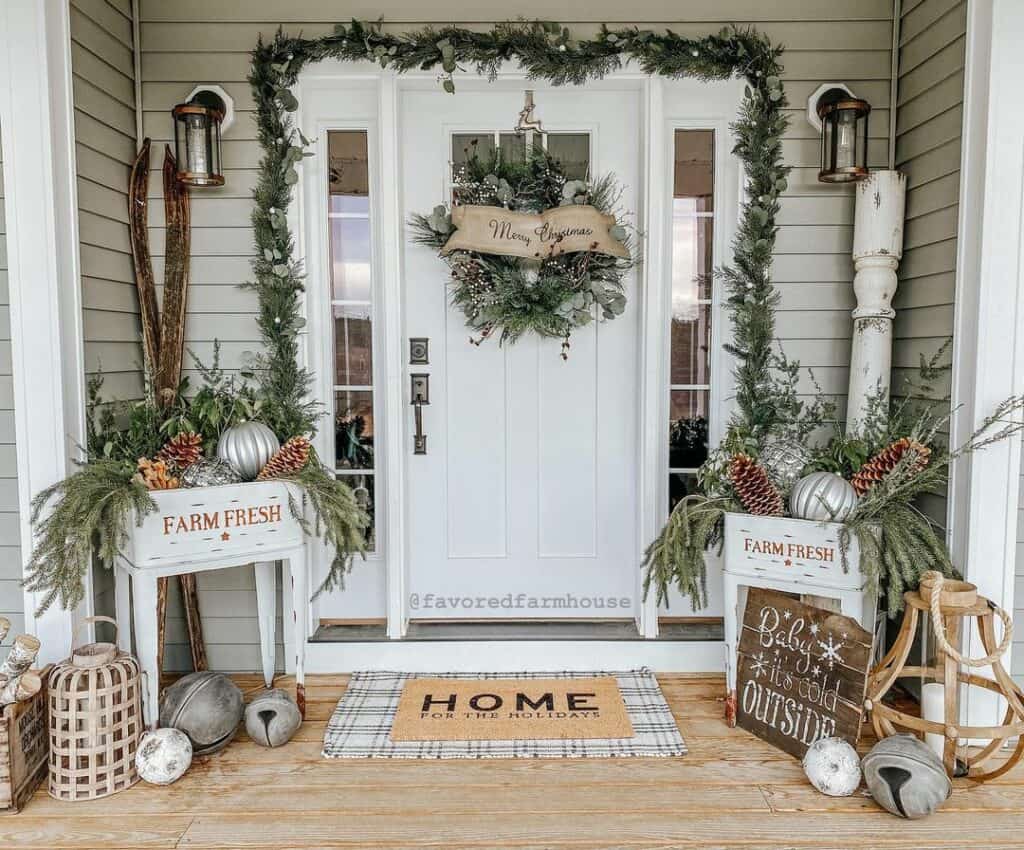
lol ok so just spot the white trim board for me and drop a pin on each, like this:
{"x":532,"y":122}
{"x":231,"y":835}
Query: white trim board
{"x":988,"y":356}
{"x":37,"y":115}
{"x":416,"y":656}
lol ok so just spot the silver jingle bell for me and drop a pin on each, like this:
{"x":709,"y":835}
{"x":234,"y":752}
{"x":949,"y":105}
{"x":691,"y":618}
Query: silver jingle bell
{"x":905,"y":777}
{"x":272,"y":718}
{"x":206,"y":706}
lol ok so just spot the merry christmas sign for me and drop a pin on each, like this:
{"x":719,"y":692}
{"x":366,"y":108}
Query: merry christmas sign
{"x":560,"y":230}
{"x":801,"y":672}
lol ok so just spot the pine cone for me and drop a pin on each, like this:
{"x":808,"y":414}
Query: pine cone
{"x":155,"y":475}
{"x":753,"y":486}
{"x":182,"y":450}
{"x":288,"y":459}
{"x":885,"y":461}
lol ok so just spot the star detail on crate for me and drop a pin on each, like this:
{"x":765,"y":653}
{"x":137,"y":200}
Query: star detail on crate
{"x":225,"y":536}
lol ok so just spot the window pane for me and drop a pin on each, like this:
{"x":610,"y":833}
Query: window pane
{"x":350,"y":259}
{"x":363,"y":490}
{"x":353,"y":345}
{"x":350,"y":204}
{"x":680,"y":485}
{"x":695,"y":167}
{"x":572,"y":151}
{"x":467,"y":145}
{"x":692,"y":261}
{"x":349,"y":167}
{"x":353,"y":429}
{"x":688,"y":429}
{"x":691,"y":346}
{"x":512,"y":146}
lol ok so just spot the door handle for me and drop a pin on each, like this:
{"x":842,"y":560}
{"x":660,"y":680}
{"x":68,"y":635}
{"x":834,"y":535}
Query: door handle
{"x":420,"y":394}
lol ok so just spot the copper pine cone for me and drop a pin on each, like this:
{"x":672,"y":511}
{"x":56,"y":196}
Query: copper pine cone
{"x":288,"y":459}
{"x":156,"y":475}
{"x":753,"y":486}
{"x":885,"y":461}
{"x":182,"y":450}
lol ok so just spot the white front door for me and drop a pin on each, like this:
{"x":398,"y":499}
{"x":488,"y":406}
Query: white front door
{"x":525,"y":503}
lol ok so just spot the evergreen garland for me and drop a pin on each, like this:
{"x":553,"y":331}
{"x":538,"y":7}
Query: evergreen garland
{"x":92,"y":507}
{"x":547,"y":51}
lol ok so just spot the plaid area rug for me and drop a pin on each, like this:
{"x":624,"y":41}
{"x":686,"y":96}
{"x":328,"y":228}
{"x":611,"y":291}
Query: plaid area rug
{"x":362,"y":720}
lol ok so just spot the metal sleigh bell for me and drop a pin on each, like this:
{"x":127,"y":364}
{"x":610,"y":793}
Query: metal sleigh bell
{"x":272,"y":718}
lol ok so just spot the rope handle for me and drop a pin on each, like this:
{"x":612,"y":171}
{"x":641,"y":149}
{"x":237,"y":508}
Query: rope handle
{"x":98,"y":618}
{"x":940,"y":632}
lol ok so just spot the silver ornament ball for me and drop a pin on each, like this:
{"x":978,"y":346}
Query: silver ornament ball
{"x":163,"y":756}
{"x":247,"y":447}
{"x":905,"y":777}
{"x":272,"y":718}
{"x":833,"y":767}
{"x":209,"y":472}
{"x":784,"y":460}
{"x":822,"y":497}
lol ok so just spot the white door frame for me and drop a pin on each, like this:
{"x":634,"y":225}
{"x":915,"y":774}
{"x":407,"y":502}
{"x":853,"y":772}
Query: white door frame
{"x":654,"y":281}
{"x":37,"y":121}
{"x":988,"y":353}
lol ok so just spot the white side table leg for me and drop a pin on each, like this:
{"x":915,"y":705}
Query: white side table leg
{"x":730,"y":615}
{"x":146,"y":638}
{"x":123,"y":607}
{"x":266,"y":604}
{"x":300,"y":608}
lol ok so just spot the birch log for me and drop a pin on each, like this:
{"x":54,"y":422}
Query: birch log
{"x":138,"y":188}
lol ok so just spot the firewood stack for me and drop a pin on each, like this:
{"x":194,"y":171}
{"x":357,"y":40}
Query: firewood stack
{"x":17,"y":682}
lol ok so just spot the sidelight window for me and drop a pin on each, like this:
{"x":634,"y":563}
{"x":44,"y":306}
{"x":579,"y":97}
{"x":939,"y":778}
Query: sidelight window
{"x":351,"y":293}
{"x":692,"y":241}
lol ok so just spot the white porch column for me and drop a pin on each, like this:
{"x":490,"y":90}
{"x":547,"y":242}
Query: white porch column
{"x":877,"y":248}
{"x":37,"y":119}
{"x":988,"y":353}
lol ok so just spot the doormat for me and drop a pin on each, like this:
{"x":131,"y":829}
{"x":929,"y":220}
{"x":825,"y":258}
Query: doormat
{"x":364,"y":723}
{"x":506,"y":709}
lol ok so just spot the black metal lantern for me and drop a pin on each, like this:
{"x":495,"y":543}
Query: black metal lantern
{"x":844,"y":137}
{"x":197,"y":126}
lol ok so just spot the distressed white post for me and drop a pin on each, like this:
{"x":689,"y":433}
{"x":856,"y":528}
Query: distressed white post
{"x":877,"y":248}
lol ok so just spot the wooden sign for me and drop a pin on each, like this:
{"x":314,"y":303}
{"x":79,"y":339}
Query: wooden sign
{"x":191,"y":524}
{"x":561,"y":230}
{"x":801,"y":672}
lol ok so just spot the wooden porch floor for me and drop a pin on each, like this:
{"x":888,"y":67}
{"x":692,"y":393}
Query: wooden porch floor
{"x":732,"y":790}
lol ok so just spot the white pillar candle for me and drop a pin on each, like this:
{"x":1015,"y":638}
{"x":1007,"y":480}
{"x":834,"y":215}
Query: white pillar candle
{"x":933,"y":707}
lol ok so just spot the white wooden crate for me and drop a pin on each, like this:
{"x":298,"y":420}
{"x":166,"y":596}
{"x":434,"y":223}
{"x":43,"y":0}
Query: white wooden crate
{"x":800,"y":550}
{"x":202,"y":523}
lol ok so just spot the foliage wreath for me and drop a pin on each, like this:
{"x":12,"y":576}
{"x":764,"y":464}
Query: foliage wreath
{"x":508,"y":295}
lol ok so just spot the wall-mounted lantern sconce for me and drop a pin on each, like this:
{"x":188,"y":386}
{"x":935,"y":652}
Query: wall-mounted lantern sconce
{"x":842,"y":119}
{"x":198,"y":124}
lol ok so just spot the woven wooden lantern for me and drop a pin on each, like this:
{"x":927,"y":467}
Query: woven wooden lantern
{"x":95,"y":722}
{"x":948,"y":606}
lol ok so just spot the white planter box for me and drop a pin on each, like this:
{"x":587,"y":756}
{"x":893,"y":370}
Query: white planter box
{"x":801,"y":551}
{"x":216,"y":523}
